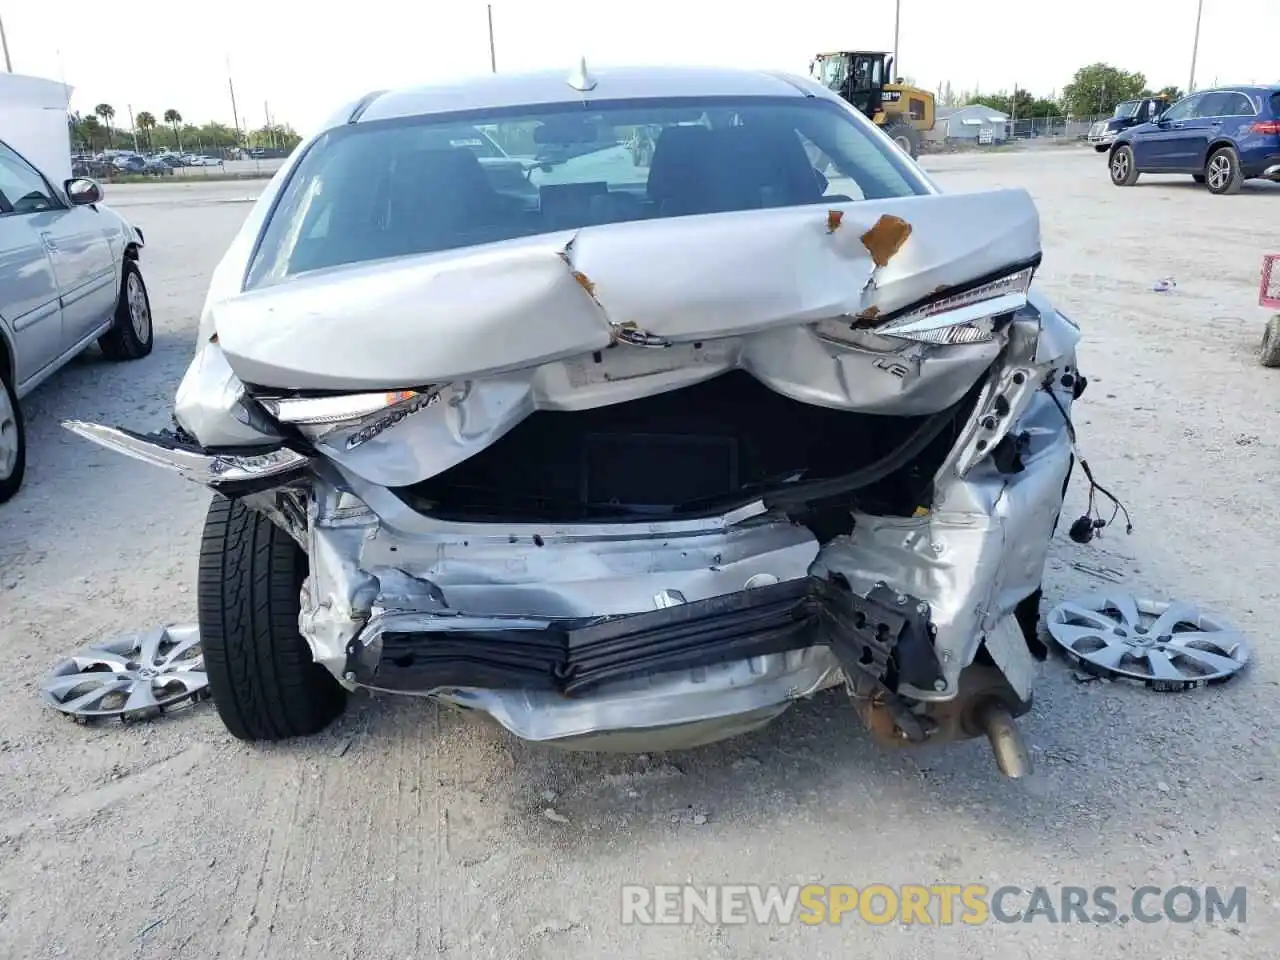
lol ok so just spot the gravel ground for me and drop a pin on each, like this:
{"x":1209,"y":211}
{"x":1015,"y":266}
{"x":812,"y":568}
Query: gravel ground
{"x":407,"y":831}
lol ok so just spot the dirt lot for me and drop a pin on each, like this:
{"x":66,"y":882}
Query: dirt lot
{"x":407,"y":831}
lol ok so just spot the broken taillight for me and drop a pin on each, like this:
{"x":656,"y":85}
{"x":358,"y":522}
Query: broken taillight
{"x":952,"y":317}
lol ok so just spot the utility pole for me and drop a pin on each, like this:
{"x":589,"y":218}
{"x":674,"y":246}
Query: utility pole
{"x":133,"y":126}
{"x":1195,"y":47}
{"x":493,"y":56}
{"x":897,"y":13}
{"x":235,"y":116}
{"x":4,"y":42}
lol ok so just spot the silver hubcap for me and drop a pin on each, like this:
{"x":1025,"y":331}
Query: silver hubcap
{"x":1219,"y":172}
{"x":139,"y":312}
{"x":1169,"y":646}
{"x":8,"y":436}
{"x":1120,"y":165}
{"x":131,"y":677}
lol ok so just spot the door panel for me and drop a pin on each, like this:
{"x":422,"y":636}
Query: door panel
{"x":84,"y":267}
{"x":1156,"y":147}
{"x":1191,"y":141}
{"x":28,"y":296}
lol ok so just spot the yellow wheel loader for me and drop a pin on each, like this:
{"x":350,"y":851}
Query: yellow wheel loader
{"x":863,"y":78}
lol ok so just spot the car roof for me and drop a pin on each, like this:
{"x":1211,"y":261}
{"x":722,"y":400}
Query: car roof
{"x":1259,"y":88}
{"x":499,"y":90}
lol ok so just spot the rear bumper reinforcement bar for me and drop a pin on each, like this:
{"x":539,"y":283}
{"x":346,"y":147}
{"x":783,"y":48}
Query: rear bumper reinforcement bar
{"x":883,"y":634}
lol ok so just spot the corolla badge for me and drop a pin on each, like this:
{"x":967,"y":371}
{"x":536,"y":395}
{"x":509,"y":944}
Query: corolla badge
{"x":391,"y":418}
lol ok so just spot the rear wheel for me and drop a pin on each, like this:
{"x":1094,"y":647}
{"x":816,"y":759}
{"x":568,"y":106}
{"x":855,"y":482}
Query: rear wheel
{"x":264,"y":682}
{"x":905,"y":136}
{"x":1269,"y":354}
{"x":13,"y":439}
{"x":1123,"y":171}
{"x":1222,"y":174}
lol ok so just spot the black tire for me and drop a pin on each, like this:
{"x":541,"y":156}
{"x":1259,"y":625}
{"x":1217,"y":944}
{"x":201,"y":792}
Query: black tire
{"x":1222,"y":173}
{"x":264,"y":682}
{"x":1121,"y":165}
{"x":1101,"y":148}
{"x":15,"y":432}
{"x":1198,"y":177}
{"x":1268,"y":353}
{"x":905,"y":136}
{"x":125,"y":340}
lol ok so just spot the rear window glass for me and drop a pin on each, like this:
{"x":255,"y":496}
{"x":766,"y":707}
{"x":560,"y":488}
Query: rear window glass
{"x":394,"y":188}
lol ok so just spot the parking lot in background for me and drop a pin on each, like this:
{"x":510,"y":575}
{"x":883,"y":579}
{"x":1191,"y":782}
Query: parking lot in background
{"x":407,"y":830}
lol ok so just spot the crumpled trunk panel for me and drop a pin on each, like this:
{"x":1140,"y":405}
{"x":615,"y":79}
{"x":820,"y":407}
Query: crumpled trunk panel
{"x":483,"y":311}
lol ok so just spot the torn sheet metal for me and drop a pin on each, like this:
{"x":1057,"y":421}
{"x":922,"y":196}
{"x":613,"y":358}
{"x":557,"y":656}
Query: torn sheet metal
{"x":481,"y":311}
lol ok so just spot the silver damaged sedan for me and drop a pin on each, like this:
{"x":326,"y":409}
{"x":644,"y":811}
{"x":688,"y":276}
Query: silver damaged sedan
{"x":624,"y":449}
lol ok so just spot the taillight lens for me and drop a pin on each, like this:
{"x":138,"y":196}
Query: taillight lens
{"x":1267,"y":126}
{"x":947,"y":319}
{"x":957,"y":311}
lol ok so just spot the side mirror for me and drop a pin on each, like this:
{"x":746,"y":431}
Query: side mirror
{"x":82,"y":192}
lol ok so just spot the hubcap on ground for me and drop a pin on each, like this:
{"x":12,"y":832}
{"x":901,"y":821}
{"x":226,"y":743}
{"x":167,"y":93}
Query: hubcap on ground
{"x":1120,"y":165}
{"x":139,"y":312}
{"x":1167,"y":646}
{"x":8,"y":436}
{"x":132,"y":677}
{"x":1219,"y":172}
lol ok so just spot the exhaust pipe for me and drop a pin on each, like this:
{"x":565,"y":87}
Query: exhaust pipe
{"x":1012,"y":756}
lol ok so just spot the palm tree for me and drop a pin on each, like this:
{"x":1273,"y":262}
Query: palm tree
{"x":146,"y":122}
{"x":106,"y":111}
{"x":173,"y":118}
{"x":91,"y":128}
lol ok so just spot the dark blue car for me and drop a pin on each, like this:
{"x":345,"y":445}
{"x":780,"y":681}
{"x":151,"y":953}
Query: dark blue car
{"x":1221,"y":137}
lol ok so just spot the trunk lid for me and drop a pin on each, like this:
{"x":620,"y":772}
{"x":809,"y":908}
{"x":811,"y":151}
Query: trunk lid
{"x":481,"y":311}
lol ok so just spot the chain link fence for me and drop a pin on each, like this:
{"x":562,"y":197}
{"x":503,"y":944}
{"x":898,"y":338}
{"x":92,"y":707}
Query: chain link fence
{"x":976,"y":130}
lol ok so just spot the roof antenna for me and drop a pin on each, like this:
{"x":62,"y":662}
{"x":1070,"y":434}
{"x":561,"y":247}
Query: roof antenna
{"x":581,"y":79}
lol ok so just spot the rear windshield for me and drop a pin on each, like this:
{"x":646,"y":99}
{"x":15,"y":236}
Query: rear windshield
{"x":367,"y":191}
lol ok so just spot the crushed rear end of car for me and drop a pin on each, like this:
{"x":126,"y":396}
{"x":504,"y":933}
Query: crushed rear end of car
{"x":644,"y":483}
{"x":829,"y":446}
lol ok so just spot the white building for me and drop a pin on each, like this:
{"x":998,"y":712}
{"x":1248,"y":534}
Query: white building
{"x":975,"y":122}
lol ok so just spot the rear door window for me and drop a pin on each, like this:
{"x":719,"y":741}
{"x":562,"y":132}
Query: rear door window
{"x":1216,"y":104}
{"x":1239,"y":105}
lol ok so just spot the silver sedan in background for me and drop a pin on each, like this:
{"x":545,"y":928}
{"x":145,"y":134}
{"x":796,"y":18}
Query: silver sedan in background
{"x":68,"y":276}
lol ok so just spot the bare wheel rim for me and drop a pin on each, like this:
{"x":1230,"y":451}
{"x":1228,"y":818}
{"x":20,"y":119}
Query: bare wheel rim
{"x":8,"y":436}
{"x":1120,"y":165}
{"x":133,"y":677}
{"x":1219,"y":171}
{"x":139,"y":312}
{"x":1167,"y":646}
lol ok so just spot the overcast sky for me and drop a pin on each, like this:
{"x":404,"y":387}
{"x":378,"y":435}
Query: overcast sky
{"x":305,"y":59}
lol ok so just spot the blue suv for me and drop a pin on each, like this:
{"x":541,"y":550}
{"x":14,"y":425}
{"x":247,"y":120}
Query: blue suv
{"x":1221,"y":137}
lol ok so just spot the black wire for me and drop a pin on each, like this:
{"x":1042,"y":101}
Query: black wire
{"x":1094,"y":487}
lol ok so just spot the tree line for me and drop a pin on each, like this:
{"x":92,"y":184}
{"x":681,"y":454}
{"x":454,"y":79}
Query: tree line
{"x":98,"y":131}
{"x":1094,"y":90}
